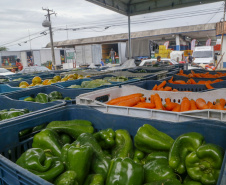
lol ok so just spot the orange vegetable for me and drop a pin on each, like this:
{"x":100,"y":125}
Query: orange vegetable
{"x":193,"y":81}
{"x":170,"y":106}
{"x":201,"y":104}
{"x":152,"y":99}
{"x":185,"y":105}
{"x":155,"y":87}
{"x":177,"y":108}
{"x":145,"y":105}
{"x":171,"y":80}
{"x":123,"y":98}
{"x":208,"y":86}
{"x":179,"y":82}
{"x":130,"y":103}
{"x":167,"y":100}
{"x":168,"y":88}
{"x":142,"y":99}
{"x":210,"y":104}
{"x":158,"y":102}
{"x":218,"y":105}
{"x":222,"y":102}
{"x":193,"y":105}
{"x":175,"y":90}
{"x":161,"y":85}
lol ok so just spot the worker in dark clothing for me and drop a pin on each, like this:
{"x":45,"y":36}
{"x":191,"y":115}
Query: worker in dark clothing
{"x":190,"y":58}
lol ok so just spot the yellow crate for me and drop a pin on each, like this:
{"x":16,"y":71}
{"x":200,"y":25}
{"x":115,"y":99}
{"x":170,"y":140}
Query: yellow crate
{"x":187,"y":51}
{"x":162,"y":47}
{"x":156,"y":55}
{"x":161,"y":52}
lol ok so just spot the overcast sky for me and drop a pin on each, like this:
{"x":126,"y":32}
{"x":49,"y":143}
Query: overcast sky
{"x":18,"y":18}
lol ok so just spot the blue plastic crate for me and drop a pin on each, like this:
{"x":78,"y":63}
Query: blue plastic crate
{"x":213,"y":131}
{"x":178,"y":77}
{"x":7,"y":103}
{"x":22,"y":94}
{"x":4,"y":88}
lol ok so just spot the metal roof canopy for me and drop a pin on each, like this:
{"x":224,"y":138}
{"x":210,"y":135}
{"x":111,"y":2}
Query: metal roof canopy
{"x":137,"y":7}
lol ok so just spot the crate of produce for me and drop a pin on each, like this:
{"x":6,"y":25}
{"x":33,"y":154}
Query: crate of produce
{"x":53,"y":92}
{"x":97,"y":82}
{"x":151,"y":69}
{"x":11,"y":148}
{"x":99,"y":98}
{"x":8,"y":104}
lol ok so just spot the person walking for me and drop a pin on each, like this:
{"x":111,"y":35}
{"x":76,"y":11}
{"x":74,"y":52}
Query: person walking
{"x":112,"y":55}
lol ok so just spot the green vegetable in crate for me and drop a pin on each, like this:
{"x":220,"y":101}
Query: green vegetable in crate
{"x":125,"y":172}
{"x":55,"y":95}
{"x":138,"y":156}
{"x":77,"y":158}
{"x":157,"y":168}
{"x":25,"y":132}
{"x":67,"y":178}
{"x":105,"y":138}
{"x":42,"y":98}
{"x":35,"y":161}
{"x":48,"y":139}
{"x":100,"y":161}
{"x":75,"y":86}
{"x":39,"y":127}
{"x":94,"y":179}
{"x":123,"y":145}
{"x":10,"y":114}
{"x":29,"y":99}
{"x":20,"y":110}
{"x":189,"y":181}
{"x":67,"y":98}
{"x":166,"y":182}
{"x":65,"y":139}
{"x":155,"y":155}
{"x":73,"y":127}
{"x":182,"y":146}
{"x":204,"y":163}
{"x":85,"y":83}
{"x":148,"y":139}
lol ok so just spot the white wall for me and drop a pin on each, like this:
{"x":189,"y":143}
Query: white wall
{"x":122,"y":52}
{"x":46,"y":55}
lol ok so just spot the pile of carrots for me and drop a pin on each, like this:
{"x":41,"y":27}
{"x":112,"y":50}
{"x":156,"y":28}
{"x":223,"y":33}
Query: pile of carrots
{"x":137,"y":100}
{"x":201,"y":75}
{"x":163,"y":87}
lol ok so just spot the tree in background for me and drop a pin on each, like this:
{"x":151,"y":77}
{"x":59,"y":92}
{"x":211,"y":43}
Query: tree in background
{"x":3,"y":49}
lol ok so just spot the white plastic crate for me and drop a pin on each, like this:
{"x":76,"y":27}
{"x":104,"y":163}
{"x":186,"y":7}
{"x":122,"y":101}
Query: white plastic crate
{"x":94,"y":99}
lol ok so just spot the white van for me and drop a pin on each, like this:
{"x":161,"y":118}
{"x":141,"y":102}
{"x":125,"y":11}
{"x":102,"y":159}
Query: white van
{"x":203,"y":55}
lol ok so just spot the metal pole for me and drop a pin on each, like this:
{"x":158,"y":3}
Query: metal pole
{"x":222,"y":37}
{"x":129,"y":28}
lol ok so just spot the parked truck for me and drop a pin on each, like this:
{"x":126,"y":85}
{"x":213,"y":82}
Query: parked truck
{"x":204,"y":55}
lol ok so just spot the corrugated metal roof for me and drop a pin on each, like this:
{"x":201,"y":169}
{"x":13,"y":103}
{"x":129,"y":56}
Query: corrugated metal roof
{"x":150,"y":33}
{"x":137,"y":7}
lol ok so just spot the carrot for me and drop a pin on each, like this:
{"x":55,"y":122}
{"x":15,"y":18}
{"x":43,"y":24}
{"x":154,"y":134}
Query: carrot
{"x":142,"y":99}
{"x":123,"y":98}
{"x":161,"y":85}
{"x":167,"y":100}
{"x":145,"y":105}
{"x":171,"y":80}
{"x":201,"y":104}
{"x":130,"y":103}
{"x":218,"y":105}
{"x":193,"y":81}
{"x":210,"y":104}
{"x":152,"y":99}
{"x":193,"y":105}
{"x":170,"y":106}
{"x":167,"y":88}
{"x":222,"y":102}
{"x":161,"y":89}
{"x":177,"y":108}
{"x":185,"y":105}
{"x":175,"y":90}
{"x":208,"y":86}
{"x":181,"y":72}
{"x":179,"y":82}
{"x":155,"y":87}
{"x":158,"y":101}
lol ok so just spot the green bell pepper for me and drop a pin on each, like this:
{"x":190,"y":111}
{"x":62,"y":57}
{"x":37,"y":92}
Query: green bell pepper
{"x":123,"y":145}
{"x":105,"y":138}
{"x":42,"y":98}
{"x":77,"y":158}
{"x":67,"y":178}
{"x":25,"y":132}
{"x":138,"y":156}
{"x":94,"y":179}
{"x":156,"y":155}
{"x":67,"y":98}
{"x":35,"y":161}
{"x":73,"y":127}
{"x":157,"y":168}
{"x":55,"y":95}
{"x":204,"y":164}
{"x":20,"y":110}
{"x":29,"y":99}
{"x":189,"y":181}
{"x":101,"y":161}
{"x":181,"y":147}
{"x":10,"y":114}
{"x":65,"y":139}
{"x":125,"y":172}
{"x":148,"y":139}
{"x":39,"y":127}
{"x":165,"y":182}
{"x":48,"y":139}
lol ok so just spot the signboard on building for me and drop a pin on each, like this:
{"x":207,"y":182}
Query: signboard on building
{"x":221,"y":28}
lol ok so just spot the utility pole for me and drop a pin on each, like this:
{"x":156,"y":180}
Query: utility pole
{"x":49,"y":13}
{"x":222,"y":37}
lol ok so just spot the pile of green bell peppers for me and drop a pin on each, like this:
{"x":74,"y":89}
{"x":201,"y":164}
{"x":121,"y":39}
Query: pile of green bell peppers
{"x":71,"y":152}
{"x":45,"y":98}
